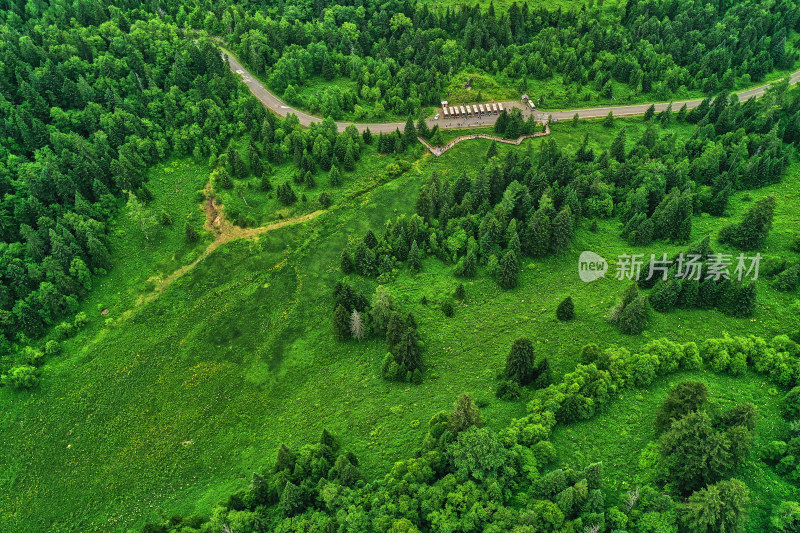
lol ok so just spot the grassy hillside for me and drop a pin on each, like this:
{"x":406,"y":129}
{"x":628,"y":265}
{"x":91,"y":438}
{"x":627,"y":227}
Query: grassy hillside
{"x":618,"y":436}
{"x":178,"y":399}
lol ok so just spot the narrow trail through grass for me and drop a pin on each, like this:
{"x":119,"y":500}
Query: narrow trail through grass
{"x":224,"y":231}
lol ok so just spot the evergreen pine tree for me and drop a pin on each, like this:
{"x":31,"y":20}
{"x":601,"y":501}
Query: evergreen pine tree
{"x":634,"y":318}
{"x":285,"y":460}
{"x":460,"y":293}
{"x":464,"y":416}
{"x":508,"y":271}
{"x":608,"y":122}
{"x":538,"y":234}
{"x":681,"y":116}
{"x":415,"y":257}
{"x":630,"y":294}
{"x":394,"y":330}
{"x":744,"y":303}
{"x":566,"y":309}
{"x":191,"y":233}
{"x":341,"y":323}
{"x":349,"y":162}
{"x":335,"y":177}
{"x":407,"y":351}
{"x":562,"y":230}
{"x":752,"y":231}
{"x":618,"y":146}
{"x":409,"y":133}
{"x":665,"y":294}
{"x":346,"y":263}
{"x":492,"y":152}
{"x":520,"y":362}
{"x":292,"y":501}
{"x":422,"y":129}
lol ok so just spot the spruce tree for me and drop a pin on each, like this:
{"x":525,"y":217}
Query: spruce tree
{"x":618,"y":146}
{"x":447,"y":309}
{"x":492,"y":152}
{"x":349,"y":162}
{"x":681,"y":400}
{"x":394,"y":330}
{"x":335,"y":177}
{"x":538,"y":234}
{"x":464,"y":416}
{"x":422,"y":128}
{"x":566,"y":309}
{"x":608,"y":122}
{"x":367,"y":136}
{"x":409,"y":133}
{"x":346,"y":263}
{"x":681,"y":116}
{"x":415,"y":257}
{"x":460,"y":293}
{"x":651,"y":111}
{"x":744,"y":303}
{"x":341,"y":323}
{"x":721,"y":507}
{"x":665,"y":295}
{"x":292,"y":501}
{"x":752,"y":231}
{"x":285,"y":460}
{"x":634,"y":318}
{"x":630,"y":294}
{"x":562,"y":230}
{"x":407,"y":351}
{"x":191,"y":233}
{"x":508,"y":271}
{"x":520,"y":362}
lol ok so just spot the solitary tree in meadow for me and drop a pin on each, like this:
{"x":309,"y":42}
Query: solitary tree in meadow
{"x":566,"y":309}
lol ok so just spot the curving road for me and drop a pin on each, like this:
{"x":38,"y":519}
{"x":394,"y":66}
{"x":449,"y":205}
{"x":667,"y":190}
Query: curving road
{"x":279,"y":106}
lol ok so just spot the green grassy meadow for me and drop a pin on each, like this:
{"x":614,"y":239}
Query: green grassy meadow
{"x":169,"y":405}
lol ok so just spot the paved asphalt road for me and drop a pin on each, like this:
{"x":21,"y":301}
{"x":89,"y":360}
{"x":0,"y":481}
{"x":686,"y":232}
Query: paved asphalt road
{"x":276,"y":104}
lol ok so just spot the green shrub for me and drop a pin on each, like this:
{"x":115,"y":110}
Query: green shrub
{"x":790,"y":405}
{"x":789,"y":279}
{"x":81,"y":320}
{"x":21,"y":377}
{"x":785,"y":517}
{"x":550,"y":484}
{"x":447,"y":309}
{"x":52,"y":347}
{"x":508,"y":390}
{"x":773,"y":452}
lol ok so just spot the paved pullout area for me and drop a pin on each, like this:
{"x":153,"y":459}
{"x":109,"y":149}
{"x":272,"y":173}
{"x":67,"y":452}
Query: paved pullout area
{"x":279,"y":106}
